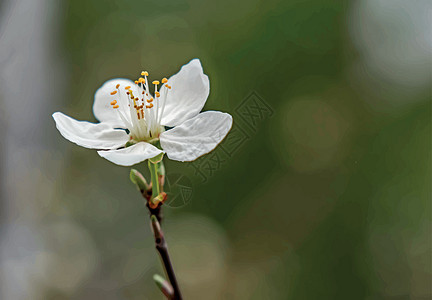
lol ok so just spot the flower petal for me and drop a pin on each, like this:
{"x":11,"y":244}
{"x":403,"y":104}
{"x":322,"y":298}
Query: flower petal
{"x":131,"y":155}
{"x":196,"y":136}
{"x":90,"y":135}
{"x":190,"y":89}
{"x":102,"y":109}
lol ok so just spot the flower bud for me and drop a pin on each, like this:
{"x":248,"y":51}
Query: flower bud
{"x":138,"y":179}
{"x":164,"y":286}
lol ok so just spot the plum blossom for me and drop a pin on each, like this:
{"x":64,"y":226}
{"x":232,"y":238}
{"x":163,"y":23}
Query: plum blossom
{"x":136,"y":125}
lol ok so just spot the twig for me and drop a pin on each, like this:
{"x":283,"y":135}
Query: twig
{"x":161,"y":247}
{"x":171,"y":290}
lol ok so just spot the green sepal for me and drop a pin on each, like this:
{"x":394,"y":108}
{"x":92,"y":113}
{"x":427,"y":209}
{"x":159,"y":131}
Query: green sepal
{"x":157,"y":158}
{"x":130,"y":143}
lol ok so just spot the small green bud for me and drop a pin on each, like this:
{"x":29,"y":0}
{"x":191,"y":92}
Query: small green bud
{"x":164,"y":286}
{"x":138,"y":179}
{"x":157,"y":231}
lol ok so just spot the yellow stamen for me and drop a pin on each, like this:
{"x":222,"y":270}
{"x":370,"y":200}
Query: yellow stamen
{"x":155,"y":82}
{"x":164,"y":80}
{"x":113,"y":102}
{"x":168,"y":86}
{"x":150,"y":100}
{"x":113,"y":92}
{"x":115,"y":106}
{"x":149,"y":106}
{"x":118,"y":85}
{"x":157,"y":94}
{"x":136,"y":82}
{"x":144,"y":73}
{"x":141,"y":80}
{"x":127,"y":87}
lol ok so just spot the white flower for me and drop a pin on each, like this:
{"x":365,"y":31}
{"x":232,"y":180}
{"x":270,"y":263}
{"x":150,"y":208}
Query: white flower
{"x":122,"y":104}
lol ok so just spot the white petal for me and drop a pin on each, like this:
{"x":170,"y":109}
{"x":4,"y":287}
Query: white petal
{"x":90,"y":135}
{"x":131,"y":155}
{"x":186,"y":98}
{"x":196,"y":136}
{"x":102,"y":109}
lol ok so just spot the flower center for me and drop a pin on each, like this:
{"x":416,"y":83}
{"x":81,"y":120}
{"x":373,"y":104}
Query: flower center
{"x":139,"y":110}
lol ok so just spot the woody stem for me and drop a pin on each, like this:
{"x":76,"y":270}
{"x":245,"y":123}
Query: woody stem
{"x":160,"y":242}
{"x":162,"y":248}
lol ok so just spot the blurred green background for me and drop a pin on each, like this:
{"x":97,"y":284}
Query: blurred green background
{"x":326,"y":196}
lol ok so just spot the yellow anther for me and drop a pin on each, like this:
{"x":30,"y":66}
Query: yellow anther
{"x":143,"y":92}
{"x":141,"y":80}
{"x":168,"y":86}
{"x":164,"y":80}
{"x":113,"y":102}
{"x":136,"y":82}
{"x":157,"y":94}
{"x":127,"y":87}
{"x":113,"y":92}
{"x":149,"y":106}
{"x":155,"y":82}
{"x":144,"y":73}
{"x":118,"y":85}
{"x":115,"y":106}
{"x":150,"y":100}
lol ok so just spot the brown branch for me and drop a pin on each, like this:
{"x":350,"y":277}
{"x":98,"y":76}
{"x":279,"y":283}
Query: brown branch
{"x":161,"y":247}
{"x":154,"y":205}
